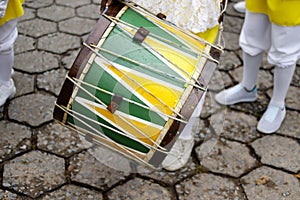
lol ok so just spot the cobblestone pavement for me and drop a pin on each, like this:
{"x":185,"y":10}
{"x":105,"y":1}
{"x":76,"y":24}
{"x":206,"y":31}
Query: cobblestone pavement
{"x":40,"y":159}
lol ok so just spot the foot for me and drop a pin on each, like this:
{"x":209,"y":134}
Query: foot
{"x":236,"y":94}
{"x":7,"y":90}
{"x":271,"y":119}
{"x":240,"y":7}
{"x":179,"y":154}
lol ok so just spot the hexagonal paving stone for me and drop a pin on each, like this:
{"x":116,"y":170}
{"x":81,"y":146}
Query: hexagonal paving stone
{"x":139,"y":189}
{"x":291,"y":125}
{"x":71,"y":26}
{"x":29,"y":13}
{"x":23,"y":44}
{"x":210,"y":105}
{"x":230,"y":158}
{"x":239,"y":126}
{"x":73,"y":4}
{"x":86,"y":169}
{"x":73,"y":192}
{"x":56,"y":13}
{"x":36,"y":61}
{"x":37,"y":27}
{"x":7,"y":195}
{"x":38,"y":3}
{"x":59,"y":43}
{"x":233,"y":24}
{"x":34,"y":173}
{"x":15,"y":139}
{"x":278,"y":151}
{"x":52,"y":80}
{"x":24,"y":83}
{"x":219,"y":81}
{"x":228,"y":61}
{"x":68,"y":59}
{"x":58,"y":139}
{"x":33,"y":109}
{"x":208,"y":186}
{"x":89,"y":11}
{"x":268,"y":183}
{"x":234,"y":40}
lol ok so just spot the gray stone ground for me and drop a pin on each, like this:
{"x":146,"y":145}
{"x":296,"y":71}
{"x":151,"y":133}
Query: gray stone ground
{"x":40,"y":159}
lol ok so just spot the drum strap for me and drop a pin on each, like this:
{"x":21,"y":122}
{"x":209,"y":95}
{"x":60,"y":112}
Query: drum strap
{"x":114,"y":104}
{"x":141,"y":34}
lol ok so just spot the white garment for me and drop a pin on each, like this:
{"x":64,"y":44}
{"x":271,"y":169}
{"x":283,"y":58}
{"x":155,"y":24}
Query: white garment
{"x":193,"y":15}
{"x":282,"y":42}
{"x":8,"y":35}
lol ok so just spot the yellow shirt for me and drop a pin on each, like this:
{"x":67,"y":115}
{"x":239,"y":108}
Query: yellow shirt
{"x":280,"y":12}
{"x":14,"y":10}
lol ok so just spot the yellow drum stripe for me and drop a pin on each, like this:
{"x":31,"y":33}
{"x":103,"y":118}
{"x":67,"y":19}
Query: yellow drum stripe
{"x":149,"y":131}
{"x":150,"y":97}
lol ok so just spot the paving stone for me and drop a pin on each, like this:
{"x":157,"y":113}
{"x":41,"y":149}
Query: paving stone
{"x":52,"y":80}
{"x":290,"y":125}
{"x":296,"y":77}
{"x":56,"y":13}
{"x":292,"y":97}
{"x":278,"y":151}
{"x":232,"y":40}
{"x":59,"y":43}
{"x":1,"y":112}
{"x":7,"y":195}
{"x":86,"y":169}
{"x":208,"y":186}
{"x":38,"y":3}
{"x":210,"y":106}
{"x":69,"y":58}
{"x":268,"y":183}
{"x":36,"y":27}
{"x":71,"y":26}
{"x":29,"y":13}
{"x":230,"y":158}
{"x":91,"y":11}
{"x":233,"y":24}
{"x":264,"y":79}
{"x":24,"y":83}
{"x":23,"y":44}
{"x":139,"y":189}
{"x":43,"y":61}
{"x":219,"y":81}
{"x":59,"y":140}
{"x":73,"y":192}
{"x":231,"y":12}
{"x":15,"y":139}
{"x":33,"y":109}
{"x":240,"y":126}
{"x":73,"y":4}
{"x":229,"y":61}
{"x":34,"y":173}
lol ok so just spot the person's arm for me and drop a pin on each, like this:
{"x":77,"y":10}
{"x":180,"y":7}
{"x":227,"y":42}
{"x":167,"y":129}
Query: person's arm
{"x":105,"y":4}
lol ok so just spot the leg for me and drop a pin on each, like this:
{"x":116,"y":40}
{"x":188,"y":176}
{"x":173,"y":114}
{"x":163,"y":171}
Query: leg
{"x":284,"y":54}
{"x":254,"y":40}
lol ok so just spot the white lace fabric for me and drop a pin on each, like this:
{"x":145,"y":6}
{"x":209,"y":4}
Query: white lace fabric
{"x":193,"y":15}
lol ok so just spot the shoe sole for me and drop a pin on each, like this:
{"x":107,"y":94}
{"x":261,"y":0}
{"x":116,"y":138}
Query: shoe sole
{"x":226,"y":103}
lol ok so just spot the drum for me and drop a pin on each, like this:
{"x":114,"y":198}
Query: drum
{"x":135,"y":83}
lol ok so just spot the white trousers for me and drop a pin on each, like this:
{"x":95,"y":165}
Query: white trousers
{"x":282,"y":42}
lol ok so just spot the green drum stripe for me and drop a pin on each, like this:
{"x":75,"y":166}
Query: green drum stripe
{"x":120,"y":139}
{"x":102,"y":79}
{"x":136,"y":19}
{"x":121,"y":43}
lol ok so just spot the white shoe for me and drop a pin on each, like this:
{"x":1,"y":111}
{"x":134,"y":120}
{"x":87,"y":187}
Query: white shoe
{"x":236,"y":94}
{"x":179,"y":154}
{"x":271,"y":119}
{"x":240,"y":7}
{"x":7,"y":90}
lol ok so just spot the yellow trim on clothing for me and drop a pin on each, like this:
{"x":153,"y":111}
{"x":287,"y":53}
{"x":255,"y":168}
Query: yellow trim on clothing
{"x":280,"y":12}
{"x":14,"y":10}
